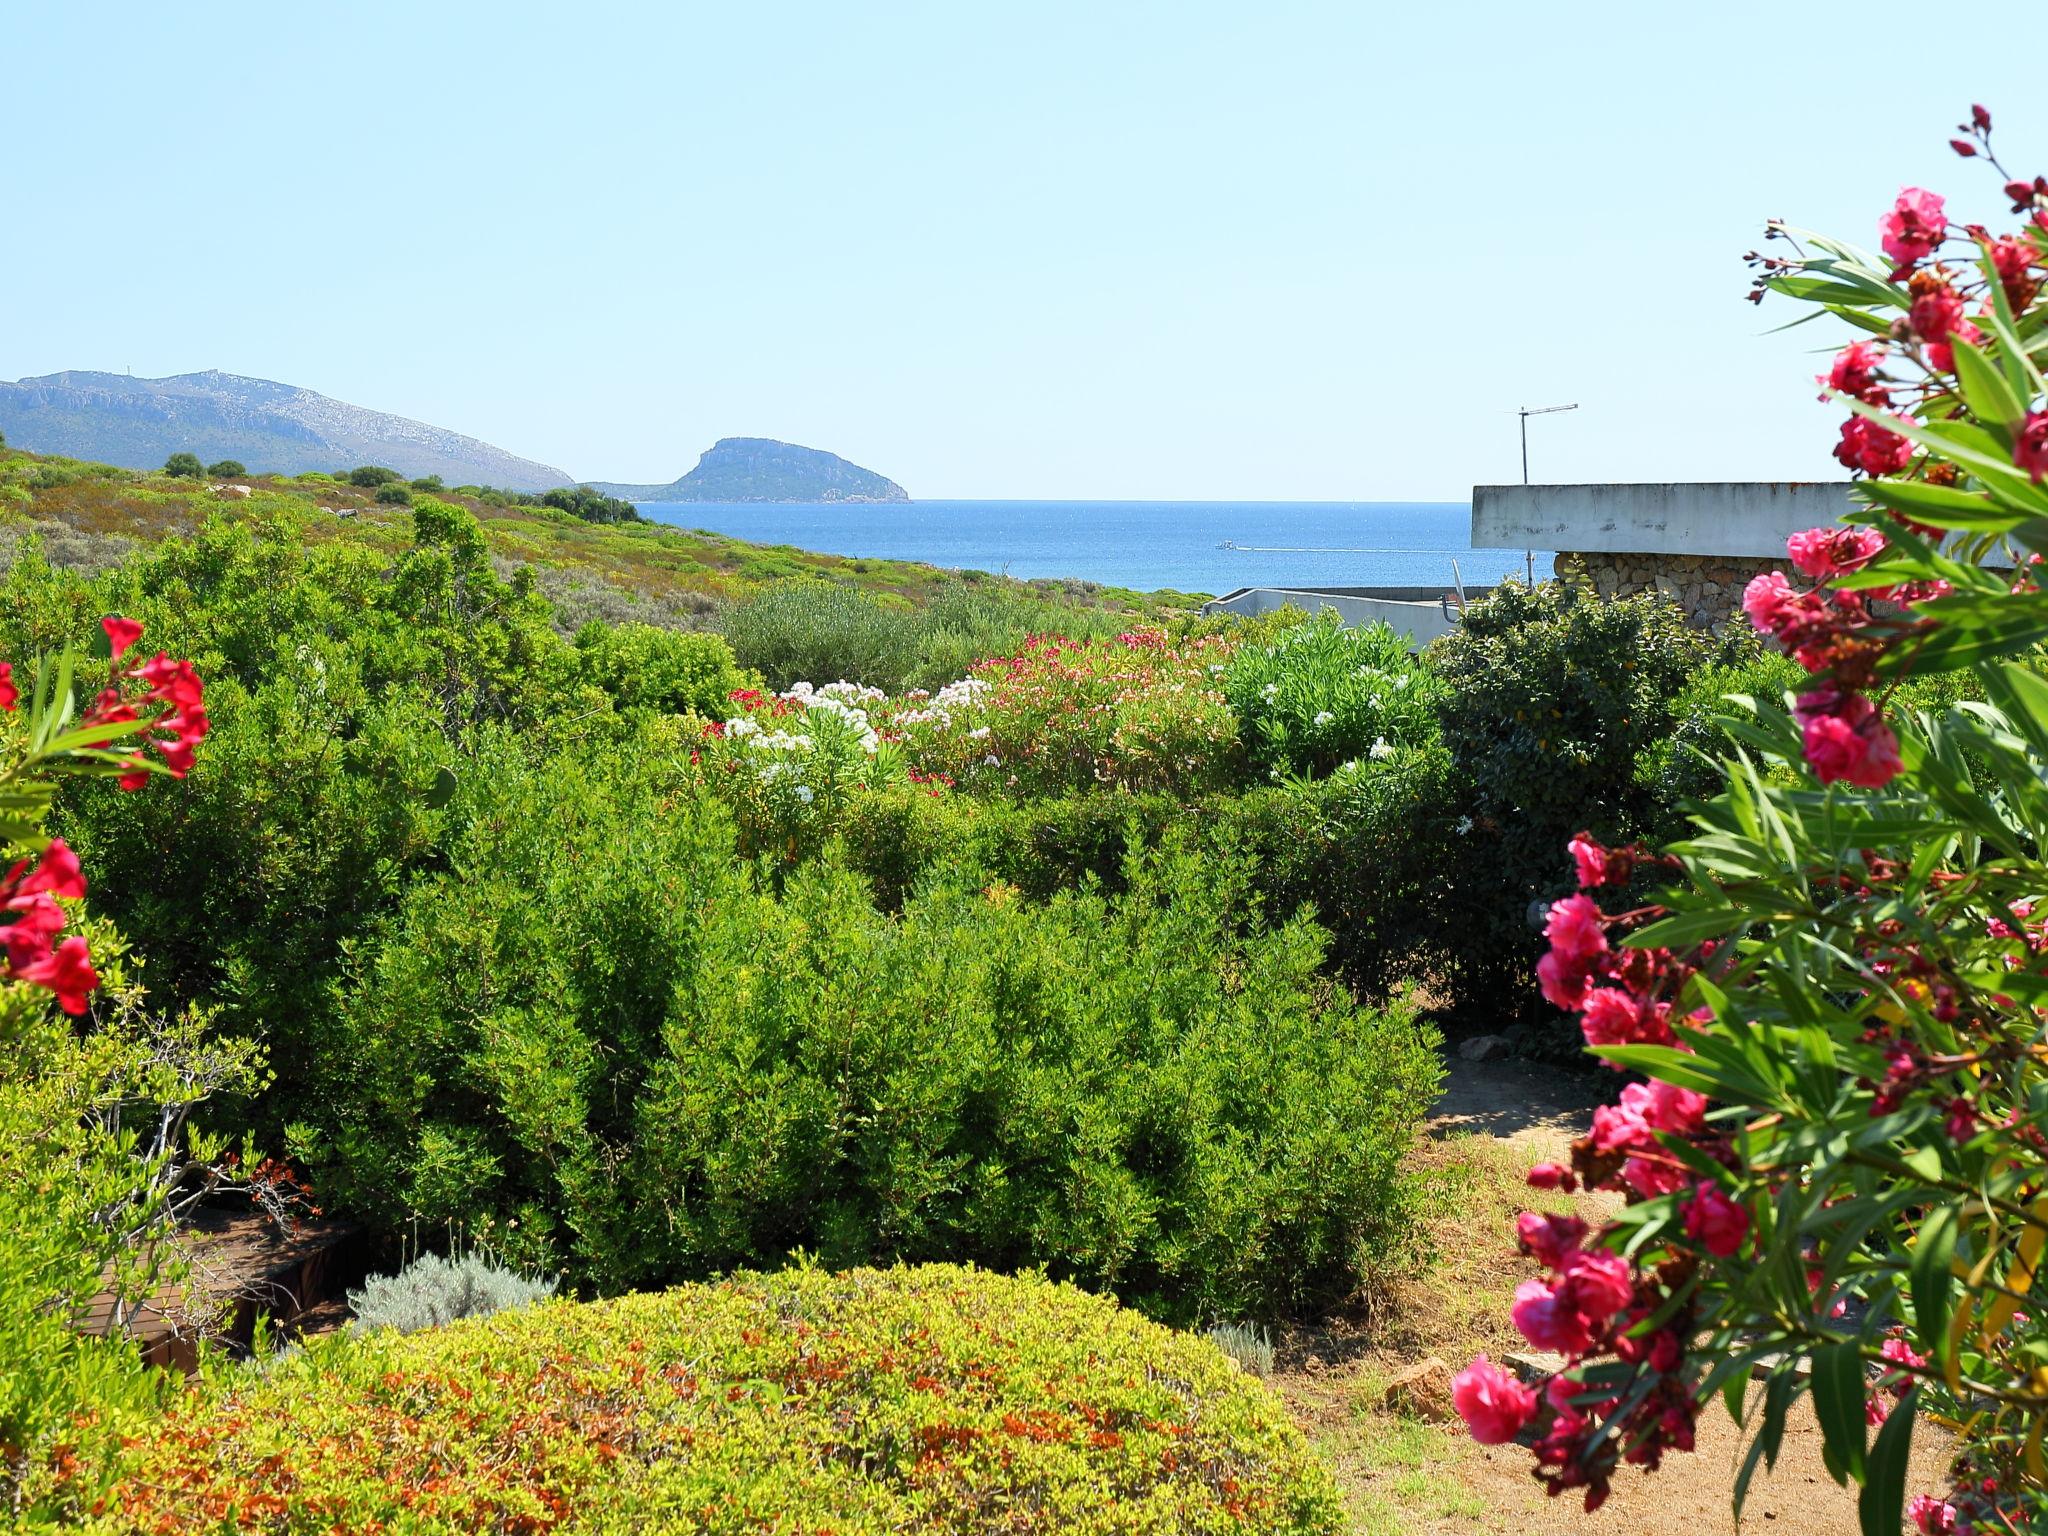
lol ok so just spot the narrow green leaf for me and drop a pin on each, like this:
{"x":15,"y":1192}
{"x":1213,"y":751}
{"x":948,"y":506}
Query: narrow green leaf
{"x":1989,"y":396}
{"x":1932,"y":1281}
{"x":1838,"y":1402}
{"x":1881,"y":1506}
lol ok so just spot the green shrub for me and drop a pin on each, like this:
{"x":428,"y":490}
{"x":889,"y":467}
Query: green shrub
{"x":394,"y":496}
{"x":871,"y":1402}
{"x":600,"y":1025}
{"x":224,"y":469}
{"x":429,"y":483}
{"x":433,"y":1291}
{"x":1553,"y":697}
{"x":822,"y":632}
{"x":1382,"y":852}
{"x":1684,"y":765}
{"x":370,"y":476}
{"x":1322,"y":693}
{"x":184,"y":466}
{"x":647,"y":669}
{"x":905,"y":833}
{"x":591,"y":506}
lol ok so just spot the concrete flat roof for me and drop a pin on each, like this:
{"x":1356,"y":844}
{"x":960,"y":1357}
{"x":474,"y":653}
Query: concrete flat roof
{"x":1735,"y":518}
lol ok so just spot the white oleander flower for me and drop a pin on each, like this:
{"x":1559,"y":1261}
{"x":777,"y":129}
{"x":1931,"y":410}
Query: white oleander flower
{"x":1464,"y":825}
{"x":1380,"y":748}
{"x":805,"y":793}
{"x":1324,"y":717}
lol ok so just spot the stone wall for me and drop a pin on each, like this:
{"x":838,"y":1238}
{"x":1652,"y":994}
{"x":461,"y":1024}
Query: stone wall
{"x":1707,"y":587}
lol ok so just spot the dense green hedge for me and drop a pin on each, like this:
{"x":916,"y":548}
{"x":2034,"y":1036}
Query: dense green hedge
{"x":934,"y":1399}
{"x":601,"y":1025}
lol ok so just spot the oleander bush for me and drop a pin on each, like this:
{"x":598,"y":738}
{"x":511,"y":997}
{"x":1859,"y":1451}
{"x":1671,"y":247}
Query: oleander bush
{"x":1832,"y":1183}
{"x":932,"y":1399}
{"x":1143,"y":711}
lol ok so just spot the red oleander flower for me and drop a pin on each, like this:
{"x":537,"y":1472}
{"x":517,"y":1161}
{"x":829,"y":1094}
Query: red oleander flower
{"x":1616,"y":1017}
{"x":1855,"y":370}
{"x":1552,"y":1176}
{"x":1718,"y":1223}
{"x":1873,"y":449}
{"x":121,"y":633}
{"x":9,"y":694}
{"x":67,"y":972}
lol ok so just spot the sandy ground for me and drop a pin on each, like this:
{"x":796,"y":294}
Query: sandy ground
{"x":1404,"y":1477}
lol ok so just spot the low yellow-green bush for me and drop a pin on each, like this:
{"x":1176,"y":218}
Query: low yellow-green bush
{"x":915,"y":1399}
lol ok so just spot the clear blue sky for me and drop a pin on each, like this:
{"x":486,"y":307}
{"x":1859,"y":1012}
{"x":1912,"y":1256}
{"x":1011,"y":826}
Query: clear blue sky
{"x":1259,"y":250}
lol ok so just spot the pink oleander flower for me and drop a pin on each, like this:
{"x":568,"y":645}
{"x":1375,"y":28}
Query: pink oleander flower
{"x":1563,"y":985}
{"x":1718,"y":1223}
{"x":1552,"y":1176}
{"x":1914,"y":228}
{"x":2030,"y":446}
{"x":1651,"y":1177}
{"x":1825,"y":552}
{"x":1846,"y":739}
{"x":1590,"y":859}
{"x":1492,"y":1403}
{"x":1576,"y":930}
{"x":1549,"y":1238}
{"x":1931,"y":1516}
{"x":1614,"y":1017}
{"x":1766,"y":598}
{"x":1899,"y":1352}
{"x":1543,"y":1317}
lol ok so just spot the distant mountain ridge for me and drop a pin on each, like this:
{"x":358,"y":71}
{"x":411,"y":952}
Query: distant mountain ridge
{"x":273,"y":428}
{"x":762,"y":469}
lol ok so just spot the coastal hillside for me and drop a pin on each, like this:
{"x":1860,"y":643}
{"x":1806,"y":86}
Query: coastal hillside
{"x":762,"y":469}
{"x":273,"y":428}
{"x":88,"y":516}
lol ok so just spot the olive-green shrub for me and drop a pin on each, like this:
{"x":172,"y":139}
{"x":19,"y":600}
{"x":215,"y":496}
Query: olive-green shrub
{"x":930,"y":1399}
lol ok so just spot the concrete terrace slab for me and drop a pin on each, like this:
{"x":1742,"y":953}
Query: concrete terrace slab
{"x":1750,"y":519}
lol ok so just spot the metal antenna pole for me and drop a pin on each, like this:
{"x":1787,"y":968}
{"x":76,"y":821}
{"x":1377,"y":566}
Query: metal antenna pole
{"x":1529,"y":555}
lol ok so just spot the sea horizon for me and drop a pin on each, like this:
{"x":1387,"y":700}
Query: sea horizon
{"x":1148,"y":545}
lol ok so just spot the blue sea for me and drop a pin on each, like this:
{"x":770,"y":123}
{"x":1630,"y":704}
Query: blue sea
{"x":1191,"y":546}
